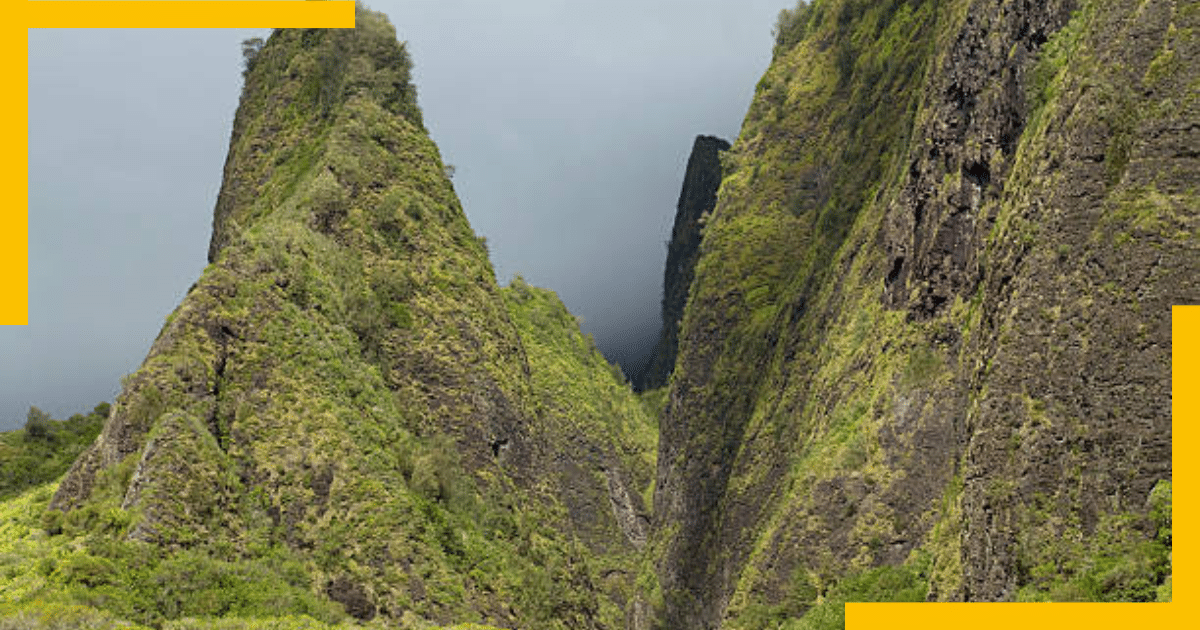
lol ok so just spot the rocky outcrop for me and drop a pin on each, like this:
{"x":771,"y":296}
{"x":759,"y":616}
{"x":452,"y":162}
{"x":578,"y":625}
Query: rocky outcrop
{"x":1089,"y":255}
{"x":346,"y":386}
{"x":924,"y":350}
{"x":698,"y":196}
{"x":938,"y":275}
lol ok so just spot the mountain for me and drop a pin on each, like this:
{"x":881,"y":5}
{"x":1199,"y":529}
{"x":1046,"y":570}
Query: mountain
{"x":346,"y":415}
{"x":923,"y":353}
{"x":926,"y":353}
{"x":698,"y":196}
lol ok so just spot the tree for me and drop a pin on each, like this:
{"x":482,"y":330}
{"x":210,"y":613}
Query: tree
{"x":37,"y":425}
{"x":250,"y":49}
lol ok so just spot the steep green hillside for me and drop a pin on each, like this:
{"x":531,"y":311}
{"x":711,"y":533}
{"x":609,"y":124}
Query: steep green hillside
{"x":597,"y":442}
{"x":925,"y":356}
{"x":340,"y":420}
{"x":926,"y":352}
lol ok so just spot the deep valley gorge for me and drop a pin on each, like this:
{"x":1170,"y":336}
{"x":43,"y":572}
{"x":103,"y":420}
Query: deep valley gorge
{"x":916,"y":346}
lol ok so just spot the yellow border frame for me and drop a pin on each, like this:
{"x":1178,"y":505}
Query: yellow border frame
{"x":1185,"y":402}
{"x":14,"y":55}
{"x":14,"y":287}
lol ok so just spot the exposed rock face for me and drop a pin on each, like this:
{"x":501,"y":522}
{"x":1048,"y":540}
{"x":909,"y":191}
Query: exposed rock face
{"x":1095,"y":240}
{"x":975,"y":119}
{"x":925,"y":353}
{"x":699,"y":195}
{"x":347,"y":382}
{"x":596,"y":442}
{"x":930,"y":324}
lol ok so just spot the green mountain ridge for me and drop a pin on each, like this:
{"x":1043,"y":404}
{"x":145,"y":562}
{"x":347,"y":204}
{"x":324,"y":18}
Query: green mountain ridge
{"x":925,"y":355}
{"x":341,"y":418}
{"x":927,"y":333}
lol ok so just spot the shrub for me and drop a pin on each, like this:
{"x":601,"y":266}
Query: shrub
{"x":436,"y":470}
{"x":790,"y":27}
{"x":52,"y":522}
{"x":38,"y":425}
{"x":250,"y":49}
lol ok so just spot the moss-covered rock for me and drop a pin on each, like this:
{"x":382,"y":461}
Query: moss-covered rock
{"x":341,"y":418}
{"x":930,"y":324}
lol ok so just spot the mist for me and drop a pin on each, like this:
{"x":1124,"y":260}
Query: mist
{"x":569,"y":126}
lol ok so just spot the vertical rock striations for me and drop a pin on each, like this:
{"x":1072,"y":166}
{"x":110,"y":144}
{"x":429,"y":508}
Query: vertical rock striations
{"x":699,"y":195}
{"x":924,"y":350}
{"x":927,"y":350}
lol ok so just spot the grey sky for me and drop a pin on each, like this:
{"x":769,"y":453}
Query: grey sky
{"x":569,"y":124}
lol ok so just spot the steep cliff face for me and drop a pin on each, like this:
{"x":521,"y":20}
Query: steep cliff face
{"x":927,"y":350}
{"x":346,"y":388}
{"x":925,"y":353}
{"x":698,"y":196}
{"x":596,"y":444}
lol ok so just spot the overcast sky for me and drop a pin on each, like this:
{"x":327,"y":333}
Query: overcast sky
{"x":569,"y":124}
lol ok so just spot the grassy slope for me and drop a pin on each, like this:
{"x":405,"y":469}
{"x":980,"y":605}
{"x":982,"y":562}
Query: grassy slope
{"x":599,"y":442}
{"x":819,"y":142}
{"x":579,"y":391}
{"x":821,"y":399}
{"x":322,"y":417}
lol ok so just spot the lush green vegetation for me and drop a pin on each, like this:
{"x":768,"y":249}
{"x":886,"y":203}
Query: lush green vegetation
{"x":81,"y":566}
{"x":582,"y":394}
{"x":1118,"y":563}
{"x":98,"y":582}
{"x":344,"y":420}
{"x":348,"y":424}
{"x":789,"y":244}
{"x":808,"y":609}
{"x":81,"y":569}
{"x":44,"y":448}
{"x":793,"y":355}
{"x":605,"y":438}
{"x":791,"y":27}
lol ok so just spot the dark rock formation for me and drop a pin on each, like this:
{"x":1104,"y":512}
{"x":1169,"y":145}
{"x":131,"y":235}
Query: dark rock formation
{"x":698,"y":196}
{"x":924,"y":354}
{"x":929,"y":332}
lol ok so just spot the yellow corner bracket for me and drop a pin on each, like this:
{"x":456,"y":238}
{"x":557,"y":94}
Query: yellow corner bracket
{"x":14,"y":290}
{"x":14,"y":38}
{"x":1185,"y":405}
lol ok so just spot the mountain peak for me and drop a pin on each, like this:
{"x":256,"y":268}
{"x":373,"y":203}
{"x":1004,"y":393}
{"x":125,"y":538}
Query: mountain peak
{"x":347,"y":384}
{"x":299,"y":86}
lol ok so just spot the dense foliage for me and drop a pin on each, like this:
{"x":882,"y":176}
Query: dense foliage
{"x":60,"y":582}
{"x":942,"y":259}
{"x":45,"y":448}
{"x":905,"y":366}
